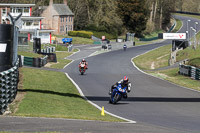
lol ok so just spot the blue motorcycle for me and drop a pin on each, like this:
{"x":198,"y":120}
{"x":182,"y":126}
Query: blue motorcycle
{"x":117,"y":93}
{"x":125,"y":47}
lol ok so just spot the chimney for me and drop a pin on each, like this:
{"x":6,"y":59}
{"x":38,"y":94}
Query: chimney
{"x":51,"y":2}
{"x":65,"y":2}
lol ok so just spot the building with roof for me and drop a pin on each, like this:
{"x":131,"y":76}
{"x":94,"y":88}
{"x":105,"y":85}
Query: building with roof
{"x":58,"y":17}
{"x":31,"y":26}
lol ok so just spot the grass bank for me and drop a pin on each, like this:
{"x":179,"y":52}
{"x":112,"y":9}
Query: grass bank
{"x":51,"y":94}
{"x":154,"y":59}
{"x":178,"y":25}
{"x":159,"y":58}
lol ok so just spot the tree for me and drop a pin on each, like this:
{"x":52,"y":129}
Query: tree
{"x":159,"y":14}
{"x":133,"y":14}
{"x":100,"y":14}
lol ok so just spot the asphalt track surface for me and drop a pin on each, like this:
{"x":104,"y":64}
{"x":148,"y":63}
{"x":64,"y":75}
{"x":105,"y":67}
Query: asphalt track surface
{"x":156,"y":105}
{"x":152,"y":100}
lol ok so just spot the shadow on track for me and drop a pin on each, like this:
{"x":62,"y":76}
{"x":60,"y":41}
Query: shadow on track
{"x":147,"y":99}
{"x":51,"y":92}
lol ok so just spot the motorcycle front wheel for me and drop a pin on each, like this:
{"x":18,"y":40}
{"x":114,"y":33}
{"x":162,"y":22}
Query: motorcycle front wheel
{"x":115,"y":98}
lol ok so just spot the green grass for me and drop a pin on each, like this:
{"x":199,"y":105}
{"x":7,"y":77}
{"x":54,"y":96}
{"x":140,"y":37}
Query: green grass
{"x":29,"y":54}
{"x":77,"y":40}
{"x":153,"y":34}
{"x":51,"y":94}
{"x":145,"y":61}
{"x":138,"y":43}
{"x":173,"y":76}
{"x":188,"y":53}
{"x":178,"y":25}
{"x":154,"y":59}
{"x":187,"y":15}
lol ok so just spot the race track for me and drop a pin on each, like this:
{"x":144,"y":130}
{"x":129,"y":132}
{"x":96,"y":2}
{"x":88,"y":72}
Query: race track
{"x":156,"y":105}
{"x":151,"y":101}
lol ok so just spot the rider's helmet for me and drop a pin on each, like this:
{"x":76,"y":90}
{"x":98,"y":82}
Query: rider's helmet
{"x":125,"y":80}
{"x":83,"y":60}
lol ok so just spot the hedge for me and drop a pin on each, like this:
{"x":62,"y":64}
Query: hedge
{"x":85,"y":34}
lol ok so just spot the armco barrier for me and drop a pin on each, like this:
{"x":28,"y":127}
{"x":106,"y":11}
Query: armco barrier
{"x":189,"y":71}
{"x":8,"y":87}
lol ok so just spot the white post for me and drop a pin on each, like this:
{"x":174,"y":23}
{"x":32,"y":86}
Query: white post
{"x":188,"y":30}
{"x":196,"y":23}
{"x":190,"y":35}
{"x":194,"y":38}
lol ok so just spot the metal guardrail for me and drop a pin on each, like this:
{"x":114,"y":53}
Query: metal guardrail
{"x":189,"y":71}
{"x":8,"y":87}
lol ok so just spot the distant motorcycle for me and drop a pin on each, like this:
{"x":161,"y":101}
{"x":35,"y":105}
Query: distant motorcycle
{"x":117,"y":93}
{"x":82,"y":68}
{"x":125,"y":47}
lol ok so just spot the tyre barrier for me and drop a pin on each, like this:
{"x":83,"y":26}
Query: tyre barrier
{"x":28,"y":61}
{"x":8,"y":87}
{"x":189,"y":71}
{"x":35,"y":62}
{"x":52,"y":57}
{"x":48,"y":49}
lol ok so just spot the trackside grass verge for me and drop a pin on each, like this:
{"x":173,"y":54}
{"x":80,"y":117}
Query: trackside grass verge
{"x":178,"y":25}
{"x":173,"y":76}
{"x":154,"y":59}
{"x":145,"y":61}
{"x":51,"y":94}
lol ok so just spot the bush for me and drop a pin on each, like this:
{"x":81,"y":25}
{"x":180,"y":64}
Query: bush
{"x":84,"y":34}
{"x":107,"y":35}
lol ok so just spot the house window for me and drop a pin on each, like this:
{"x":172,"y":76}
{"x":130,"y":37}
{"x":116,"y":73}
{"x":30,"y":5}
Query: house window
{"x":12,"y":10}
{"x":66,"y":19}
{"x":62,"y":19}
{"x":3,"y":21}
{"x":61,"y":28}
{"x":29,"y":23}
{"x":36,"y":23}
{"x":70,"y":27}
{"x":70,"y":19}
{"x":19,"y":10}
{"x":26,"y":10}
{"x":3,"y":12}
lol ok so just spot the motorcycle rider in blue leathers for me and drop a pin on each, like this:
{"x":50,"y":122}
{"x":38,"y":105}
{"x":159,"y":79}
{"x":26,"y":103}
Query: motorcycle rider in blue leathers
{"x":124,"y":83}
